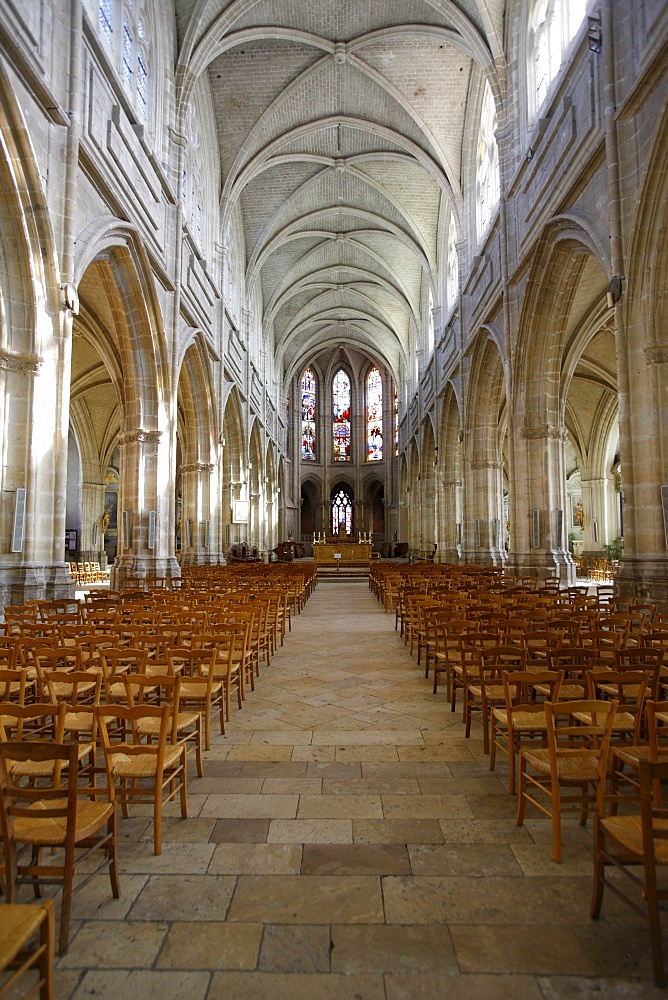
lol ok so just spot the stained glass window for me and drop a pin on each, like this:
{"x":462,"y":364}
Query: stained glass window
{"x":127,"y":53}
{"x":308,"y":393}
{"x":452,"y":275}
{"x":342,"y":512}
{"x":341,"y":416}
{"x":396,"y":422}
{"x":487,"y":170}
{"x":374,"y":416}
{"x":106,"y":19}
{"x":142,"y":86}
{"x":554,"y":25}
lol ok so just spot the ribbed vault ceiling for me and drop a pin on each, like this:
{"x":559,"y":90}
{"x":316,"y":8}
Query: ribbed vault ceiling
{"x":340,"y":128}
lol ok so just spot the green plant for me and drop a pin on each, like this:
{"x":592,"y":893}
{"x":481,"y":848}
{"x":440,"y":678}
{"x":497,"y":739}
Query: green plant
{"x":614,"y":549}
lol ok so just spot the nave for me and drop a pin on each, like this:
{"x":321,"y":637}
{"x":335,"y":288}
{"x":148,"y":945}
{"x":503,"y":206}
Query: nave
{"x":346,"y":842}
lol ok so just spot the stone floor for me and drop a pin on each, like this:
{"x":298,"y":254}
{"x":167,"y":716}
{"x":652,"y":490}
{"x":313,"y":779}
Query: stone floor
{"x":347,"y":843}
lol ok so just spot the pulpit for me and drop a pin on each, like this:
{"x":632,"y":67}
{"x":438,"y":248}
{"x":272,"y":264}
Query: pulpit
{"x":284,"y":551}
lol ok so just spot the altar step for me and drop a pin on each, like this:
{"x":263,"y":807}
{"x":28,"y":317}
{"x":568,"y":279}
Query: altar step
{"x":344,"y":573}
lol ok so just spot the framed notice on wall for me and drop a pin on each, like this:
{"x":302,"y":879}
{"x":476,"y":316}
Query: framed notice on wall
{"x":240,"y":512}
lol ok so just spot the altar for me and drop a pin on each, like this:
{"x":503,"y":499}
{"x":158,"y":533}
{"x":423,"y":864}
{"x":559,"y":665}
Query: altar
{"x":342,"y":553}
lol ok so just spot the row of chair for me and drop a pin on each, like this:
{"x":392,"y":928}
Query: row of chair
{"x":569,"y":689}
{"x":121,"y":698}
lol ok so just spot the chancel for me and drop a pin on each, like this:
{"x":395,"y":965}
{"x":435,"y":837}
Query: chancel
{"x":323,"y":287}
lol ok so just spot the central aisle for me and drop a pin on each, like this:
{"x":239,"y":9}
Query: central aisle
{"x":347,"y":843}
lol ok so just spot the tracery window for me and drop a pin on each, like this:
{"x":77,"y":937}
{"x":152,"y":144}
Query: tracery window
{"x":192,"y":181}
{"x":123,"y":25}
{"x":374,"y":416}
{"x":105,"y":18}
{"x":552,"y":27}
{"x":342,"y":512}
{"x":487,"y":165}
{"x":341,"y":416}
{"x":430,"y":322}
{"x":396,"y":422}
{"x":232,"y":286}
{"x":308,"y":394}
{"x":452,"y":267}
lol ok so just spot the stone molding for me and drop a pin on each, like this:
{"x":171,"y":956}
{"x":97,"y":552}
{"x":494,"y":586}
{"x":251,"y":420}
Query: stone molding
{"x":198,"y":467}
{"x":21,"y":364}
{"x":131,"y":437}
{"x":543,"y":431}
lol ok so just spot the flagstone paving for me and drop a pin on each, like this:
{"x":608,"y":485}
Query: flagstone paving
{"x":347,"y":843}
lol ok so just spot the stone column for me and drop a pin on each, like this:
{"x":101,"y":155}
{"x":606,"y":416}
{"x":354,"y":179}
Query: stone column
{"x":196,"y":511}
{"x":139,"y":503}
{"x":485,"y":524}
{"x":541,"y":485}
{"x":91,"y":543}
{"x":595,"y":510}
{"x":450,"y":545}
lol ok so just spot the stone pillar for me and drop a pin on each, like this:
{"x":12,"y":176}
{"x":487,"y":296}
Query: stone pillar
{"x":139,"y":502}
{"x":34,"y":392}
{"x":91,"y":542}
{"x":360,"y":522}
{"x":195,"y":511}
{"x":484,"y":541}
{"x":325,"y":518}
{"x":541,"y":485}
{"x":595,"y":510}
{"x":450,"y":545}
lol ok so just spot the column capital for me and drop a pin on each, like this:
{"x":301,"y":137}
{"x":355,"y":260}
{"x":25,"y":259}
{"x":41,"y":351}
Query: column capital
{"x":655,"y":354}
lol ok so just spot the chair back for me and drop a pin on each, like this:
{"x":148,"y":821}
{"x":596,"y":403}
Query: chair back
{"x":578,"y":740}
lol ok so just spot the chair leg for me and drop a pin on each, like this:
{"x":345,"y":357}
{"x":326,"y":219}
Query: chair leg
{"x":599,"y":872}
{"x":521,"y":801}
{"x":157,"y":820}
{"x":556,"y":828}
{"x":198,"y":749}
{"x":654,"y":930}
{"x":112,"y":830}
{"x":184,"y":786}
{"x":47,"y":935}
{"x":66,"y":909}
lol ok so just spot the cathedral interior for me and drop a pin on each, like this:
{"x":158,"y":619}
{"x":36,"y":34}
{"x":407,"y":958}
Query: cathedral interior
{"x":269,"y":268}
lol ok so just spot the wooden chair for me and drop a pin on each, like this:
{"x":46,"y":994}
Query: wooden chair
{"x":38,"y":721}
{"x":648,"y":658}
{"x":486,"y":691}
{"x":576,"y":663}
{"x":521,"y":719}
{"x":637,"y":841}
{"x":626,"y":759}
{"x":575,"y":759}
{"x":143,"y":772}
{"x":228,"y":643}
{"x":199,"y":688}
{"x":467,"y":667}
{"x":629,"y":688}
{"x":117,"y":661}
{"x":166,"y":689}
{"x":27,"y":942}
{"x":63,"y":815}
